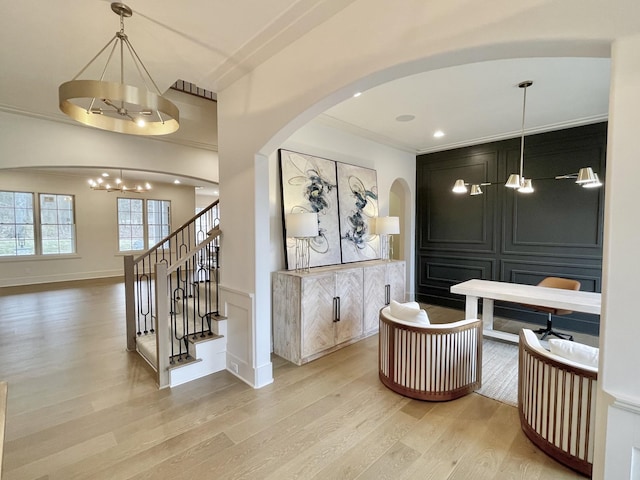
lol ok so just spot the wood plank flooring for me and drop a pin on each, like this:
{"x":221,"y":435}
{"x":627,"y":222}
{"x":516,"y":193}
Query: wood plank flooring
{"x":81,"y":407}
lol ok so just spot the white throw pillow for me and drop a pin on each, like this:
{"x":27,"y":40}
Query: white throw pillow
{"x":401,"y":310}
{"x":422,"y":318}
{"x":409,"y":312}
{"x":576,"y":352}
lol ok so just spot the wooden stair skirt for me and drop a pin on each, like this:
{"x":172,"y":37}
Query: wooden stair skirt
{"x":208,"y":354}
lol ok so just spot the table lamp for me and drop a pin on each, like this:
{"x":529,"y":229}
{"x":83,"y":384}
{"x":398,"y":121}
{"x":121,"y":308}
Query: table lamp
{"x":302,"y":227}
{"x":385,"y":227}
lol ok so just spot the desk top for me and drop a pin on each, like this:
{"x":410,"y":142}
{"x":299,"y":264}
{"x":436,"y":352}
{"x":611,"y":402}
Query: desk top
{"x":587,"y":302}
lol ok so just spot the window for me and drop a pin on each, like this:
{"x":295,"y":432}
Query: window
{"x":130,"y":224}
{"x":57,"y":225}
{"x":17,"y":231}
{"x":142,"y":223}
{"x":53,"y":220}
{"x":158,"y":223}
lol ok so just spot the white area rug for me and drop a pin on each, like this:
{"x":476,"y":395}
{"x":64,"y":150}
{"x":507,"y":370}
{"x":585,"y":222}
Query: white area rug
{"x":500,"y":371}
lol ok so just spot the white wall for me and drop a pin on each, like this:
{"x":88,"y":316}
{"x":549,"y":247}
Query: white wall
{"x":28,"y":141}
{"x":620,"y":328}
{"x":203,"y":201}
{"x":34,"y":142}
{"x":96,"y":228}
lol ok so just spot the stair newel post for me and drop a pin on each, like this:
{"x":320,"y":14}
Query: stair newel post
{"x":162,"y":318}
{"x":130,"y":301}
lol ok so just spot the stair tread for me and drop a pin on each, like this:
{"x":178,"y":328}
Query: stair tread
{"x":206,"y":338}
{"x":184,"y":363}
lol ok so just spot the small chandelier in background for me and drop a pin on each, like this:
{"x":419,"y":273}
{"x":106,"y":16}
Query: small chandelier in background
{"x":117,"y":106}
{"x":117,"y":185}
{"x":585,"y":177}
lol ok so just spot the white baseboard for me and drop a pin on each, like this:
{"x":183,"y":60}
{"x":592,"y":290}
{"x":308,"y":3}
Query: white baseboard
{"x":64,"y":277}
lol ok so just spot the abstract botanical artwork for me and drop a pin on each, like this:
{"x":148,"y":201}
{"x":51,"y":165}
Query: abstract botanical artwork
{"x":309,"y":185}
{"x":358,"y":199}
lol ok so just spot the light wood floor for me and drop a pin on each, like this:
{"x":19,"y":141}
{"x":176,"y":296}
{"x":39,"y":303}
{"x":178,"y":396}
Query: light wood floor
{"x":81,"y":407}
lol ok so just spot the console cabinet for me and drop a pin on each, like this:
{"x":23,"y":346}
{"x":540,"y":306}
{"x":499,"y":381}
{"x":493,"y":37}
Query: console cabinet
{"x":318,"y":312}
{"x":382,"y":283}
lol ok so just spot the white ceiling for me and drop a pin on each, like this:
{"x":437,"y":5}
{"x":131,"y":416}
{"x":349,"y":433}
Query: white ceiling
{"x":213,"y":42}
{"x":478,"y":103}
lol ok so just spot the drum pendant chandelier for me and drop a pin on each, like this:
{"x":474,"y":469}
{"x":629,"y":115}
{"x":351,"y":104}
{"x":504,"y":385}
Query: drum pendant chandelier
{"x":117,"y":106}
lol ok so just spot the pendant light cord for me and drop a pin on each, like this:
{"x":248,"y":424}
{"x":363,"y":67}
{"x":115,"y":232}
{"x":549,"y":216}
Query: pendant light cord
{"x":524,"y":106}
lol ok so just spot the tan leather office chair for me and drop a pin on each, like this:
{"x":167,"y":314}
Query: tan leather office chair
{"x":555,"y":282}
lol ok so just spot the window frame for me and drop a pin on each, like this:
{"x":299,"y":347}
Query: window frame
{"x":145,"y":225}
{"x":162,"y":204}
{"x":74,"y":233}
{"x":14,"y":225}
{"x":37,"y":226}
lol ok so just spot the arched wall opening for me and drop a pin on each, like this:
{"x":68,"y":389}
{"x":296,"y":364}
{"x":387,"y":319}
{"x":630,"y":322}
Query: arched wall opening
{"x":257,"y":121}
{"x":301,"y":139}
{"x":401,"y":205}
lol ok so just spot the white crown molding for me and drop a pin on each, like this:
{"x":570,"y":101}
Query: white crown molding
{"x":578,"y":122}
{"x":338,"y":124}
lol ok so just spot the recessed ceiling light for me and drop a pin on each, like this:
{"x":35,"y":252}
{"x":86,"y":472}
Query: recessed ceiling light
{"x":199,"y":187}
{"x":405,"y":118}
{"x":357,"y":94}
{"x":105,"y":174}
{"x":176,"y":181}
{"x":438,"y":134}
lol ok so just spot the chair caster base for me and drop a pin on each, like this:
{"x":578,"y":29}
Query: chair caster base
{"x":547,"y":332}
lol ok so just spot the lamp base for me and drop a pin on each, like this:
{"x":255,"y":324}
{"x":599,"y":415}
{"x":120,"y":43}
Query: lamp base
{"x":386,"y":247}
{"x":302,"y":255}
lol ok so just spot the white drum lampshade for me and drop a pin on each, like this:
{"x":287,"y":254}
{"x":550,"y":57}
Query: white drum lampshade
{"x":301,"y":225}
{"x":387,"y":225}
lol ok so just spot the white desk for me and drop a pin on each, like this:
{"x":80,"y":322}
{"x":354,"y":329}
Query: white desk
{"x":577,"y":301}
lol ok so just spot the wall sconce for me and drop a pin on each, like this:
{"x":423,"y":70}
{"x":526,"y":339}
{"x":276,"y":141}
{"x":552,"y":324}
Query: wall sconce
{"x":302,"y":227}
{"x":385,"y":227}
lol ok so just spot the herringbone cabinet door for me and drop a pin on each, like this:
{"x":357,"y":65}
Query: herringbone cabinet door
{"x":317,"y":313}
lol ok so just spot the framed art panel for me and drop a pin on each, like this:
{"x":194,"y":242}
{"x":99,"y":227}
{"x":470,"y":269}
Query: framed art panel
{"x":358,"y":200}
{"x":309,"y":185}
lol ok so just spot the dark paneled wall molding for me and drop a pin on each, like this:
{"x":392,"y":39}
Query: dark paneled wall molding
{"x":507,"y":236}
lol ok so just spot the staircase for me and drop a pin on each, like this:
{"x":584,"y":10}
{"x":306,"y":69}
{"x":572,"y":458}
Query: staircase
{"x":173,"y":318}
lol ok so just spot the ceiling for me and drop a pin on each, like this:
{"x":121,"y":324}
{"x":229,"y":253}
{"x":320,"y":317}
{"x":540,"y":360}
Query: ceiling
{"x":213,"y":42}
{"x":478,"y":103}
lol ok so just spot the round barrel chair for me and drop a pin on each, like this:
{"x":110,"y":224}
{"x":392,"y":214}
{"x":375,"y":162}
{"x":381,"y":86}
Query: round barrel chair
{"x":557,"y":398}
{"x":425,"y":361}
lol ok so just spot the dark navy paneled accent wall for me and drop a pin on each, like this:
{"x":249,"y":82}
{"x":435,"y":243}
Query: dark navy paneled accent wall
{"x":507,"y":236}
